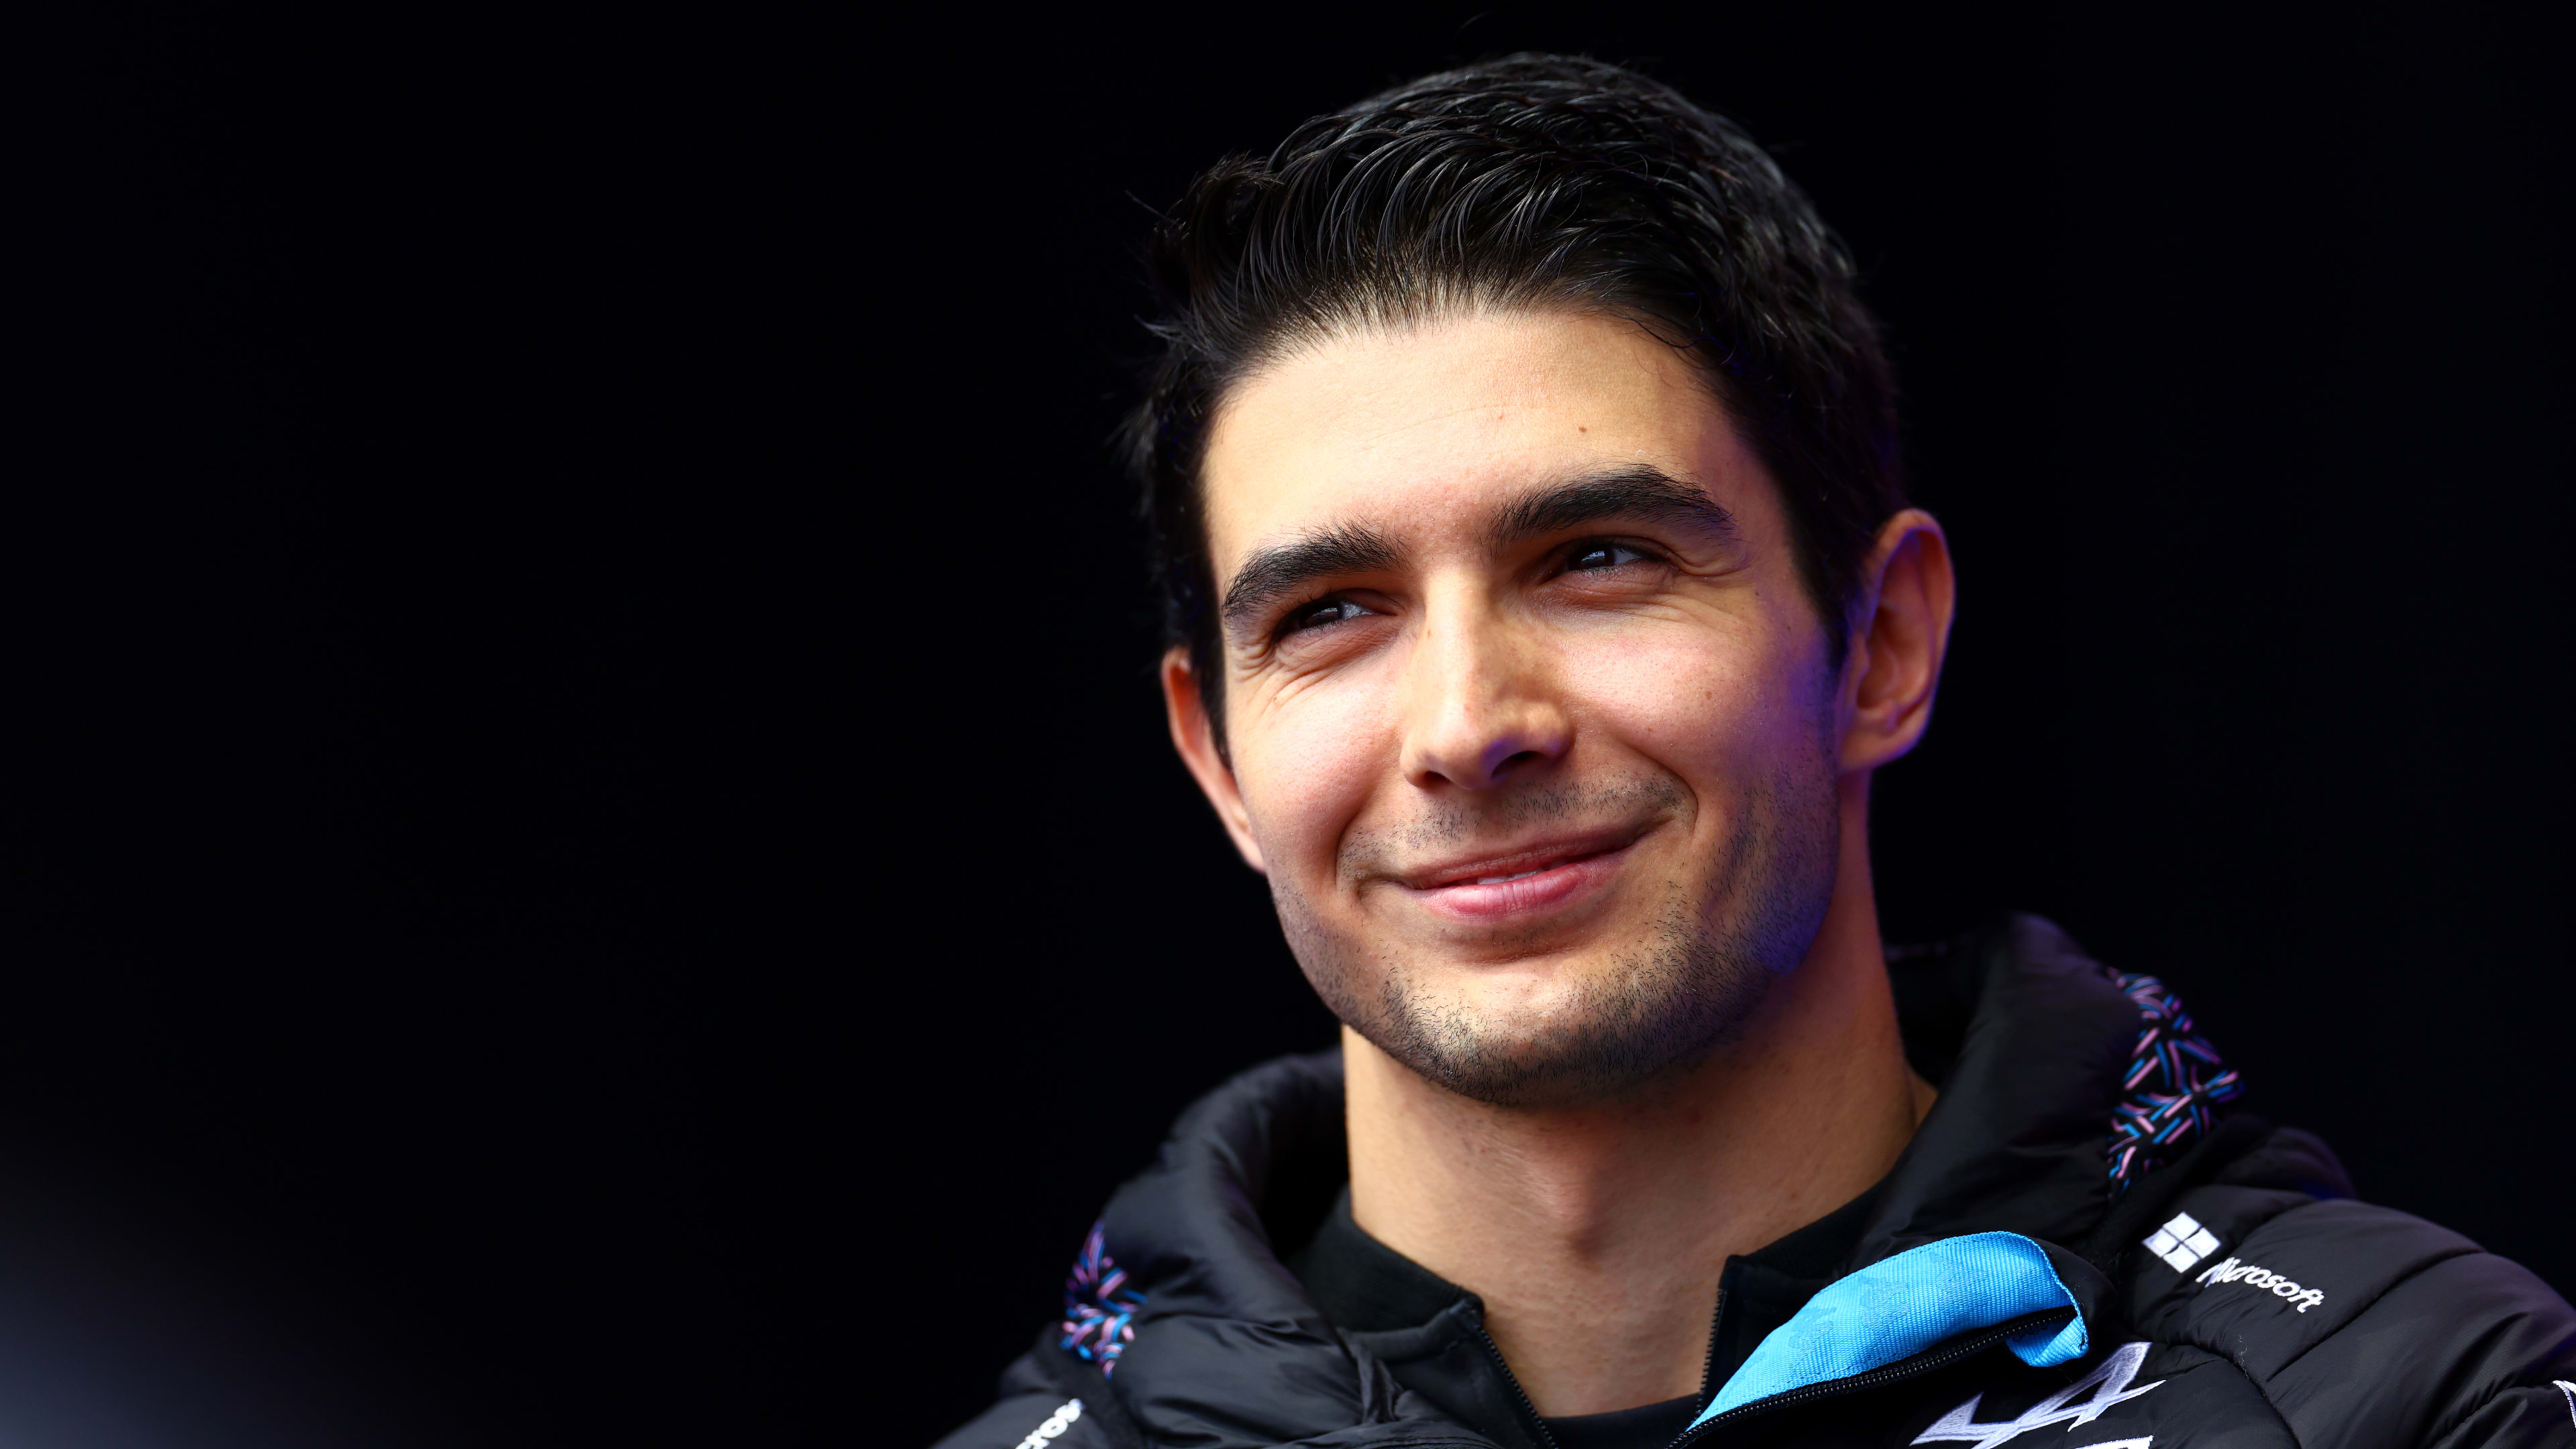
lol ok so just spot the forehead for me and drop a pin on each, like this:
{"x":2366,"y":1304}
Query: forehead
{"x":1422,"y":428}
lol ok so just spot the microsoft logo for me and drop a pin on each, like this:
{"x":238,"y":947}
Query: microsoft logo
{"x":2182,"y":1242}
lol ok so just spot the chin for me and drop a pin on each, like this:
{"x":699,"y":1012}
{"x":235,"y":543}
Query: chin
{"x":1574,"y":1031}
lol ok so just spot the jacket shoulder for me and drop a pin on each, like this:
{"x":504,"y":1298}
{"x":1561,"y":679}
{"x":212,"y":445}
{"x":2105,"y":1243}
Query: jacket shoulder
{"x":2361,"y":1324}
{"x":1039,"y":1421}
{"x":2290,"y":1158}
{"x":1047,"y":1401}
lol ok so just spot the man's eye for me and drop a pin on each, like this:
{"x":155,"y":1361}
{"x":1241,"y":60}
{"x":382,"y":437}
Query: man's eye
{"x":1599,"y":555}
{"x":1320,"y":613}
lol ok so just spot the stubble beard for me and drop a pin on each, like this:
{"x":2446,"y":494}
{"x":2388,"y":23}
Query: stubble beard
{"x":1717,"y":947}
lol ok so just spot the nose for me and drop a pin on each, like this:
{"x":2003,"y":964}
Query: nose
{"x":1477,"y":705}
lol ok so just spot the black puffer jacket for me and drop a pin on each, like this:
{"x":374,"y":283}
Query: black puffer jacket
{"x":2073,"y":1201}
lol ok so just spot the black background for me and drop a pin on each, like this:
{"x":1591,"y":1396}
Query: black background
{"x":590,"y":853}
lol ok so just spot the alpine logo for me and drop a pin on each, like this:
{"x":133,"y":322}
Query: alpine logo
{"x":2232,"y":1271}
{"x":2100,"y":1389}
{"x":2182,"y":1242}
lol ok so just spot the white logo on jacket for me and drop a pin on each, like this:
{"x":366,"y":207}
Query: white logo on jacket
{"x":2232,"y":1271}
{"x":2107,"y":1385}
{"x":1053,"y":1425}
{"x":2182,"y":1242}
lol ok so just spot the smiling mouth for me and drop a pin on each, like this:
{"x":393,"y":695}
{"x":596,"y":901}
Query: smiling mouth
{"x":1505,"y":866}
{"x":1521,"y":888}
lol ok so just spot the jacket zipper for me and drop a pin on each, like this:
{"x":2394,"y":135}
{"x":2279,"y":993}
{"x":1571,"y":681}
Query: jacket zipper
{"x":1923,"y":1363}
{"x":1708,"y":1365}
{"x":1529,"y":1410}
{"x":1707,"y":1370}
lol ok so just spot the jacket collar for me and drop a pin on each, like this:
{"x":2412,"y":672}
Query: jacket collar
{"x":2029,"y":1039}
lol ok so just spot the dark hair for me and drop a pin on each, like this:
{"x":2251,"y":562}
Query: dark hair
{"x":1529,"y":181}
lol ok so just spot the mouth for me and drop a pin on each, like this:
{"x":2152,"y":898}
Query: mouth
{"x":1541,"y":877}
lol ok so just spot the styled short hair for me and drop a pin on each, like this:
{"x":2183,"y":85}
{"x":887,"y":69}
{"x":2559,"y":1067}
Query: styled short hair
{"x":1530,"y":182}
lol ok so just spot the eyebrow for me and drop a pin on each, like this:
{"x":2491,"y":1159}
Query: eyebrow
{"x":1283,"y":569}
{"x":1638,"y":492}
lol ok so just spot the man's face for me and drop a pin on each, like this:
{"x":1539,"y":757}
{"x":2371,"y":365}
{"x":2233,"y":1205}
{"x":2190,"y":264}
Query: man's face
{"x":1531,"y":723}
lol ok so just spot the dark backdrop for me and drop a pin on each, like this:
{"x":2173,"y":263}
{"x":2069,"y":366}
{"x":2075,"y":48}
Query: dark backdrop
{"x":591,"y":856}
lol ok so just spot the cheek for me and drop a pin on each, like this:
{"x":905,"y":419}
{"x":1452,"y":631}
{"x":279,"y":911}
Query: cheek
{"x":1705,"y":703}
{"x":1308,"y":763}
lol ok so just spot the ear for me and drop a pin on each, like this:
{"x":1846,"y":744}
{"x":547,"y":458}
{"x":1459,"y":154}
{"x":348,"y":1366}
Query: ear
{"x":1897,"y":646}
{"x":1195,"y":737}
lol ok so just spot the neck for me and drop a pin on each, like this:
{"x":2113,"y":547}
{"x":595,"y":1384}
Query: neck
{"x":1596,"y":1234}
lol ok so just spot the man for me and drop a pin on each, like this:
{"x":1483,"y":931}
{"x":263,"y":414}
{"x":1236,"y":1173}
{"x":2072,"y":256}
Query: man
{"x":1541,"y":598}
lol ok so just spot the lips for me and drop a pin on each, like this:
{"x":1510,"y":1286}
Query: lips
{"x":1518,"y":865}
{"x":1521,"y":862}
{"x":1539,"y":878}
